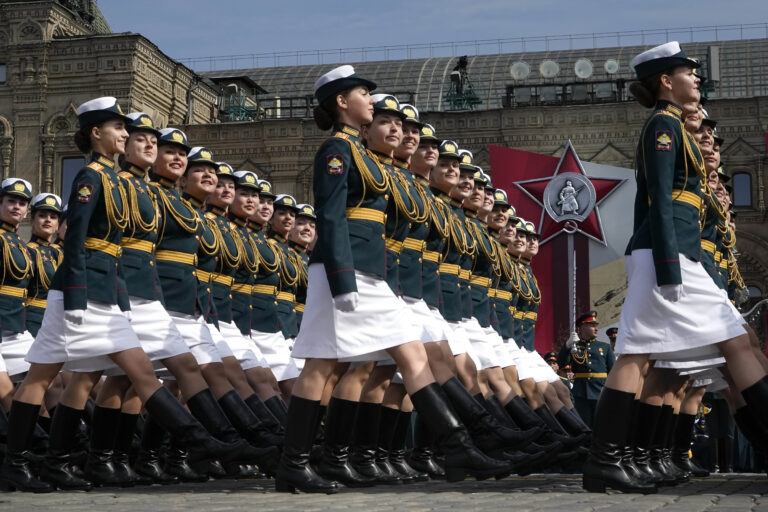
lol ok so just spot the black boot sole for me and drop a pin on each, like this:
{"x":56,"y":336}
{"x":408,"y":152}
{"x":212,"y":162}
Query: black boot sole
{"x":596,"y":485}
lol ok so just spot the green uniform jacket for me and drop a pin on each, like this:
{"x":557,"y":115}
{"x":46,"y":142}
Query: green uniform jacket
{"x":301,"y":286}
{"x":207,"y":259}
{"x":710,"y":238}
{"x":439,"y":229}
{"x":591,"y":357}
{"x":667,"y":220}
{"x":456,"y":302}
{"x":532,"y":307}
{"x":397,"y":226}
{"x":178,"y":231}
{"x":501,"y":316}
{"x":45,"y":258}
{"x":244,"y":277}
{"x":264,"y":314}
{"x":411,"y":259}
{"x":139,"y":267}
{"x":89,"y":274}
{"x":345,"y":245}
{"x":290,"y":272}
{"x":484,"y":268}
{"x":227,"y":263}
{"x":17,"y":267}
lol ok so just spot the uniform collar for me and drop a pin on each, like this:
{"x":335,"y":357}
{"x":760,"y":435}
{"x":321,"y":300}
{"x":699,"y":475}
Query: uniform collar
{"x":162,"y":180}
{"x":384,"y":159}
{"x":670,"y":107}
{"x":297,"y":246}
{"x":470,"y":213}
{"x":495,"y":234}
{"x":133,"y":169}
{"x":525,"y":261}
{"x":8,"y":227}
{"x":40,"y":241}
{"x":353,"y":133}
{"x":103,"y":160}
{"x":400,"y":164}
{"x":421,"y":180}
{"x":237,"y":220}
{"x":277,"y":237}
{"x":215,"y":210}
{"x":193,"y":200}
{"x":590,"y":340}
{"x":254,"y":226}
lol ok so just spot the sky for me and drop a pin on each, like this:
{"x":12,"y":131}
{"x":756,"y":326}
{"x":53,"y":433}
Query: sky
{"x":201,"y":28}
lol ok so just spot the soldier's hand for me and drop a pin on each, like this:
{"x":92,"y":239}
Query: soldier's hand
{"x":128,"y":315}
{"x":75,"y":316}
{"x":671,"y":292}
{"x":346,"y":302}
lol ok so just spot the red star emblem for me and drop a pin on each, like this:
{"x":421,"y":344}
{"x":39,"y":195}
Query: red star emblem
{"x":592,"y":225}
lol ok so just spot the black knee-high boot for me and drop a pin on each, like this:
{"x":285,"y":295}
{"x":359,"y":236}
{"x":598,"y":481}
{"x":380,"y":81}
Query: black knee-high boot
{"x":99,"y":468}
{"x":148,"y":461}
{"x":261,"y":410}
{"x":249,"y":426}
{"x":204,"y":408}
{"x":15,"y":473}
{"x":278,"y":408}
{"x":294,"y":471}
{"x":177,"y":463}
{"x":756,"y":396}
{"x":526,"y":418}
{"x":628,"y":460}
{"x":645,"y":429}
{"x":422,"y":457}
{"x":603,"y":467}
{"x":121,"y":454}
{"x":365,"y":439}
{"x":397,"y":449}
{"x":681,"y":445}
{"x":57,"y":468}
{"x":462,"y":457}
{"x":334,"y":463}
{"x":488,"y":434}
{"x":671,"y":475}
{"x":387,"y":425}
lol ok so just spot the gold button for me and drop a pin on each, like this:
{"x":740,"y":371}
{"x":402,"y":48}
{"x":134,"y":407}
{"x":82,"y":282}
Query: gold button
{"x":207,"y":289}
{"x":397,"y":261}
{"x":420,"y":260}
{"x":386,"y":196}
{"x":250,"y":307}
{"x":151,"y":263}
{"x":382,"y":236}
{"x":194,"y":273}
{"x":197,"y":237}
{"x":458,"y":285}
{"x":230,"y":296}
{"x":275,"y":303}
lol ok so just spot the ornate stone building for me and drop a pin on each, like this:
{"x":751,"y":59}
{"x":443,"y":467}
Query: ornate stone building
{"x":56,"y":54}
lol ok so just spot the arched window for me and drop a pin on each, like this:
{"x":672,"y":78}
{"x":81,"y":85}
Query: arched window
{"x":742,"y":189}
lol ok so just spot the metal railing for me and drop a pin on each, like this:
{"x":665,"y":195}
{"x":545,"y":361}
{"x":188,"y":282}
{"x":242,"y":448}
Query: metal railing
{"x":478,"y":47}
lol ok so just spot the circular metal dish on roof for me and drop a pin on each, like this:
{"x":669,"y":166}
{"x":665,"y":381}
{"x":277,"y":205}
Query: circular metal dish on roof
{"x":549,"y":69}
{"x":520,"y":70}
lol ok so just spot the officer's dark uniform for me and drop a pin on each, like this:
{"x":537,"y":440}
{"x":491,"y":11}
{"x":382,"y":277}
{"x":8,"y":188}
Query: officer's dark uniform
{"x":244,"y":276}
{"x":264,"y":314}
{"x":46,"y":258}
{"x":590,"y":361}
{"x":290,"y":273}
{"x":17,"y":267}
{"x":485,"y":265}
{"x":307,"y":211}
{"x":503,"y":293}
{"x":177,"y":242}
{"x":527,"y":307}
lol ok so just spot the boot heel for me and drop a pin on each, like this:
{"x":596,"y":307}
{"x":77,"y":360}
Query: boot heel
{"x":283,"y":486}
{"x":6,"y":487}
{"x":455,"y":474}
{"x":593,"y":485}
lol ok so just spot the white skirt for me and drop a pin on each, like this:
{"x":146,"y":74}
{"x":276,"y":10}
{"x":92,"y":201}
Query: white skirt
{"x":481,"y":343}
{"x":197,"y":337}
{"x":381,"y":321}
{"x":649,"y":324}
{"x":432,"y":329}
{"x":105,"y":330}
{"x":505,"y":353}
{"x":689,"y":364}
{"x":460,"y":344}
{"x":277,"y":352}
{"x":244,"y":349}
{"x":13,"y":350}
{"x":221,"y":344}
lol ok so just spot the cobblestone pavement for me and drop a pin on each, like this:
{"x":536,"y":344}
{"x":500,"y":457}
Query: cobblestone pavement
{"x":730,"y":492}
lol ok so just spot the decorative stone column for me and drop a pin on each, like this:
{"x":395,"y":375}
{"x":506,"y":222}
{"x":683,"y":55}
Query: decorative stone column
{"x":48,"y":159}
{"x":6,"y":145}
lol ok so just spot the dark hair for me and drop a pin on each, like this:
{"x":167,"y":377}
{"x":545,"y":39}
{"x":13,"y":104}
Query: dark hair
{"x":83,"y":138}
{"x":646,"y":91}
{"x":327,"y":111}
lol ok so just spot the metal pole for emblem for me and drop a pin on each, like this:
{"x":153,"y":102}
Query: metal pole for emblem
{"x":571,"y":283}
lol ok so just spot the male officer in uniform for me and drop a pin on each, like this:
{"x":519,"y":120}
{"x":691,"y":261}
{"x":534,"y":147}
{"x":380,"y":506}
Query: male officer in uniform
{"x":612,"y":333}
{"x":591,"y":360}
